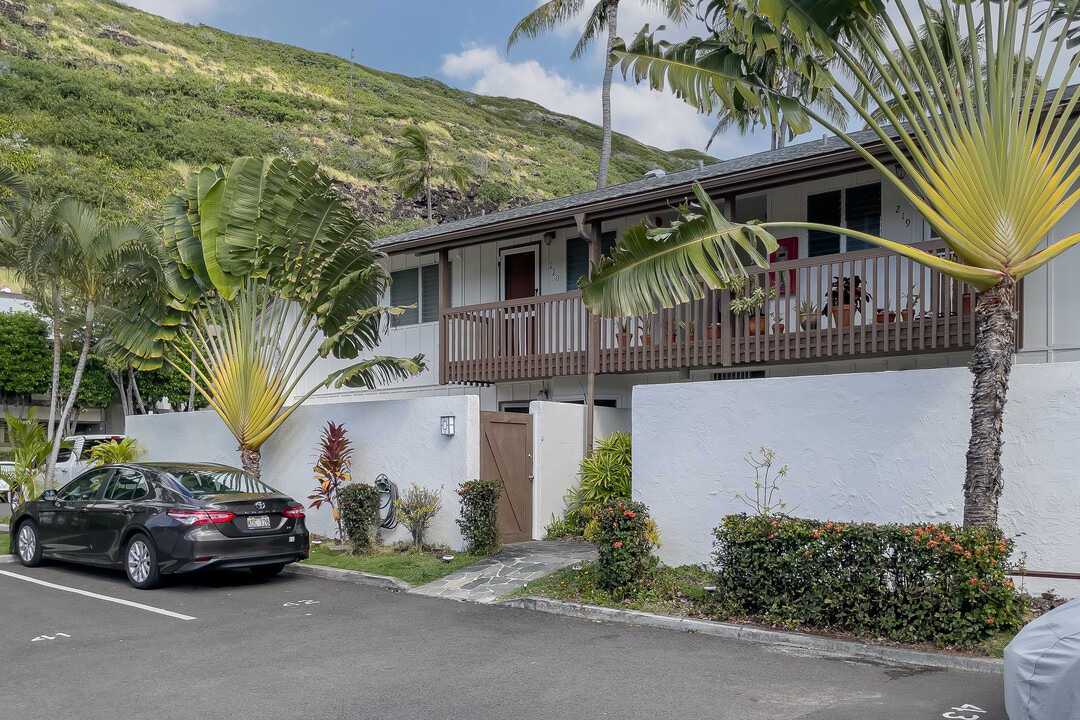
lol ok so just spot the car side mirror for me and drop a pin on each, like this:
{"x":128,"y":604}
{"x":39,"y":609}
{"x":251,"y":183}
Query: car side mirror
{"x":48,"y":495}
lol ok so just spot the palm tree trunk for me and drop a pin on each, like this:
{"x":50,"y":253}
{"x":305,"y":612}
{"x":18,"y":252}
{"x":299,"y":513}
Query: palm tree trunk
{"x":251,"y":460}
{"x":134,"y":385}
{"x":50,"y":469}
{"x":605,"y":143}
{"x":427,"y":186}
{"x":54,"y":390}
{"x":991,"y":362}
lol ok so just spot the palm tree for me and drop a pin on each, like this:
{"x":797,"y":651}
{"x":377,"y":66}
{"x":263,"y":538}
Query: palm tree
{"x":95,"y":266}
{"x":991,"y":162}
{"x":267,"y":271}
{"x":604,"y":15}
{"x":416,"y":163}
{"x":13,"y":190}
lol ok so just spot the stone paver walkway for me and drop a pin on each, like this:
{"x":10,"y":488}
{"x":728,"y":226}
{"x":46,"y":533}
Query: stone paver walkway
{"x":518,"y":563}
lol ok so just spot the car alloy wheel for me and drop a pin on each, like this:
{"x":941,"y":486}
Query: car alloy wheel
{"x":140,"y":563}
{"x":28,"y":545}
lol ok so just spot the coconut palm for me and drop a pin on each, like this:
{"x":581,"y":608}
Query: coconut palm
{"x":991,"y":162}
{"x":416,"y":163}
{"x":603,"y":16}
{"x":267,"y":271}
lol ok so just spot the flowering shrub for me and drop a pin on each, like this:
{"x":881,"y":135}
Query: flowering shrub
{"x":479,"y":521}
{"x":905,"y":582}
{"x":625,"y":536}
{"x":358,"y":504}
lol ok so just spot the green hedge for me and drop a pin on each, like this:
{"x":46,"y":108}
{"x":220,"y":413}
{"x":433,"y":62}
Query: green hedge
{"x":905,"y":582}
{"x":358,"y":504}
{"x":479,"y":521}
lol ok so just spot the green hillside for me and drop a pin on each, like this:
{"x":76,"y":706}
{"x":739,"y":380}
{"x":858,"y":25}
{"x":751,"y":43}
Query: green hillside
{"x":115,"y":106}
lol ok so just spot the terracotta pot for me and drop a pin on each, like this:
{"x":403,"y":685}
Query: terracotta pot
{"x":965,"y":304}
{"x":690,"y":337}
{"x":906,"y":314}
{"x":712,"y":332}
{"x":646,"y":339}
{"x":777,"y":328}
{"x":841,"y":315}
{"x":882,"y":316}
{"x":756,"y":324}
{"x":623,"y":339}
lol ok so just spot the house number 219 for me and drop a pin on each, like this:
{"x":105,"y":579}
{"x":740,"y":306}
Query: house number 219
{"x":964,"y":712}
{"x":903,"y":216}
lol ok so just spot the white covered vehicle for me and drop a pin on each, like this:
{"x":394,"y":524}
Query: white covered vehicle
{"x":1042,"y":667}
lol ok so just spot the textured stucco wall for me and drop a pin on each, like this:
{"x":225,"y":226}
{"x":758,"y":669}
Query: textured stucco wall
{"x":881,"y":447}
{"x":558,"y":446}
{"x":399,"y":438}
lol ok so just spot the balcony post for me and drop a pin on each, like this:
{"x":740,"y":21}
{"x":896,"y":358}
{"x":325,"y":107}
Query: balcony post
{"x":592,"y":351}
{"x":444,"y":308}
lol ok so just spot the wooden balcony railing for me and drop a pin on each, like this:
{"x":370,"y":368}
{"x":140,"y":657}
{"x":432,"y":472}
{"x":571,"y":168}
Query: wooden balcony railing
{"x":542,"y":337}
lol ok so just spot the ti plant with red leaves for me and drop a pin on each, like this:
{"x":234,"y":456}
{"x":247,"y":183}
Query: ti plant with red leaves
{"x":332,"y":469}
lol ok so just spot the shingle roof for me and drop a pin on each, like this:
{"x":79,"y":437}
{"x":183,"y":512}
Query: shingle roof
{"x":792,"y":153}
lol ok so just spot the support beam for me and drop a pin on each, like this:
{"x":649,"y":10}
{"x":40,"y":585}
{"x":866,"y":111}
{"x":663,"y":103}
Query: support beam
{"x":593,"y":349}
{"x":444,"y":307}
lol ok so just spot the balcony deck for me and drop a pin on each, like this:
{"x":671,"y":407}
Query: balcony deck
{"x":547,"y":336}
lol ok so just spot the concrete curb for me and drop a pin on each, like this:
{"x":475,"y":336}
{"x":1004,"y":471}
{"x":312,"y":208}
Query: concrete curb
{"x":761,"y":636}
{"x":353,"y":576}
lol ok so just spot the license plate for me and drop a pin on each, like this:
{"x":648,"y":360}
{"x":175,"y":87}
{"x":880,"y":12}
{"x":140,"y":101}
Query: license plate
{"x":258,"y":521}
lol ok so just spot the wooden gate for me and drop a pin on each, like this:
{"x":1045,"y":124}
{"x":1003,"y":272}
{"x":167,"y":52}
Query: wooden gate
{"x":506,"y":454}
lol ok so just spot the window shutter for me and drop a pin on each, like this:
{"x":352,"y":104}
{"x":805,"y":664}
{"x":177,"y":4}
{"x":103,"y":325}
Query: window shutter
{"x":823,"y":208}
{"x":863,"y":213}
{"x":577,"y":261}
{"x":429,"y":291}
{"x":405,"y":291}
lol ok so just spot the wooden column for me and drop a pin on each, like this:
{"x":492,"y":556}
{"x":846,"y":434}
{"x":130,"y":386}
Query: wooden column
{"x":592,"y":352}
{"x":444,"y":308}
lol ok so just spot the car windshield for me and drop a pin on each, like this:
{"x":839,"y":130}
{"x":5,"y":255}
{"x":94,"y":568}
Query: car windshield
{"x":211,"y":481}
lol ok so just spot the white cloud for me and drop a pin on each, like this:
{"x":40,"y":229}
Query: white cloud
{"x":653,"y":118}
{"x":186,"y":11}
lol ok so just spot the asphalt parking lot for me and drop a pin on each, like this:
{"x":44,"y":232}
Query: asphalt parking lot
{"x":81,"y":643}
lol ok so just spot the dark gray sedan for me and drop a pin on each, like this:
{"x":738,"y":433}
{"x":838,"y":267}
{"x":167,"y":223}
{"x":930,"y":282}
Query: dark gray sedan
{"x":155,"y":519}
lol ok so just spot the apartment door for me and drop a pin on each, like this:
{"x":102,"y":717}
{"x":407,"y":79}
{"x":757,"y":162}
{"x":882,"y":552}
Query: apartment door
{"x":520,"y":281}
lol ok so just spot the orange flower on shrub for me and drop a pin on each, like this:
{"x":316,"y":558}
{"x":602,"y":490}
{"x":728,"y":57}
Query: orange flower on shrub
{"x":618,"y":543}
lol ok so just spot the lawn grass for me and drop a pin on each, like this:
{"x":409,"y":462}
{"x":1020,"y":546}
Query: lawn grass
{"x":5,"y":543}
{"x":413,"y":568}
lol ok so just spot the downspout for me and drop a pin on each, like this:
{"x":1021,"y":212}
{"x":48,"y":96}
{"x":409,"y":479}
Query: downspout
{"x":592,"y":351}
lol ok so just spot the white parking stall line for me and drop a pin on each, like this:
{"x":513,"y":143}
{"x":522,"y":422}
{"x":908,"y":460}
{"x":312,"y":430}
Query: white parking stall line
{"x":86,"y":593}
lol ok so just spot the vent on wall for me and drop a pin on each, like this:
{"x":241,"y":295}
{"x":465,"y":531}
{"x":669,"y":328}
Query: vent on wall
{"x":738,"y":375}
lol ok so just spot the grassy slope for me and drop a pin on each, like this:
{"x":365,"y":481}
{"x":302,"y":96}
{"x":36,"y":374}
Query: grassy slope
{"x":114,"y":106}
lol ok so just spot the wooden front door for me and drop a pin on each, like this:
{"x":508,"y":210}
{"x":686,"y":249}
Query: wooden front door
{"x":506,"y":454}
{"x":519,"y":274}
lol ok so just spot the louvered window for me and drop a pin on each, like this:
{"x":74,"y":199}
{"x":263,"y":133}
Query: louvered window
{"x":577,"y":257}
{"x":416,"y":286}
{"x":858,"y":208}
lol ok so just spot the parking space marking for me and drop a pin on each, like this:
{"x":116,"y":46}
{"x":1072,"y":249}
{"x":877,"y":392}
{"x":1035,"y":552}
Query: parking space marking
{"x":87,"y":593}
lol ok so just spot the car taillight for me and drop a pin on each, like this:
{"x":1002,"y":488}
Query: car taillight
{"x":294,"y":512}
{"x":201,"y":517}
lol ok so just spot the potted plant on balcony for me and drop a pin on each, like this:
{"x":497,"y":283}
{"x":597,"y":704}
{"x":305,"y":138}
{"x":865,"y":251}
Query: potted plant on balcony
{"x":912,"y":298}
{"x":689,"y":327}
{"x":845,"y":297}
{"x":626,"y":329}
{"x":808,"y":314}
{"x":884,"y":315}
{"x":752,"y":305}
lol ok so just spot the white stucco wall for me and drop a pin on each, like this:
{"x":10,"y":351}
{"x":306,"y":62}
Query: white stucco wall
{"x":400,"y":438}
{"x":880,"y":447}
{"x":558,"y":447}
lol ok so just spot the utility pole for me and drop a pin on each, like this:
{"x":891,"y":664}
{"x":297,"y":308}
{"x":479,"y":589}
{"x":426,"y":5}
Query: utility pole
{"x":350,"y":88}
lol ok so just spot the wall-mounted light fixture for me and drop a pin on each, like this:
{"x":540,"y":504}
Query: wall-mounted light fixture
{"x":898,"y":171}
{"x":446,"y":425}
{"x":549,"y":237}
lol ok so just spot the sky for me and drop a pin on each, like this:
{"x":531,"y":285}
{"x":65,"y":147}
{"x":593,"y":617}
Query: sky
{"x":463,"y":44}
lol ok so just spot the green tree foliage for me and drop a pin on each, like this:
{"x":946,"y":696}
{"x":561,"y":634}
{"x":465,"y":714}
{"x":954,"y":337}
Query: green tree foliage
{"x":996,"y":117}
{"x":24,"y":361}
{"x":267,"y":271}
{"x":124,"y":450}
{"x":602,"y":17}
{"x":416,"y":162}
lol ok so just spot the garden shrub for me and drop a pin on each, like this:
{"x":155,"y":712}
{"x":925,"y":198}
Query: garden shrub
{"x":415,"y":509}
{"x":479,"y":521}
{"x":905,"y":582}
{"x":358,"y":506}
{"x":625,"y":536}
{"x":605,"y":475}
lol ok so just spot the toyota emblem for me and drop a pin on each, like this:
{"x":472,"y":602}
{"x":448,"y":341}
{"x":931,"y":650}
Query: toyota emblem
{"x":260,"y":505}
